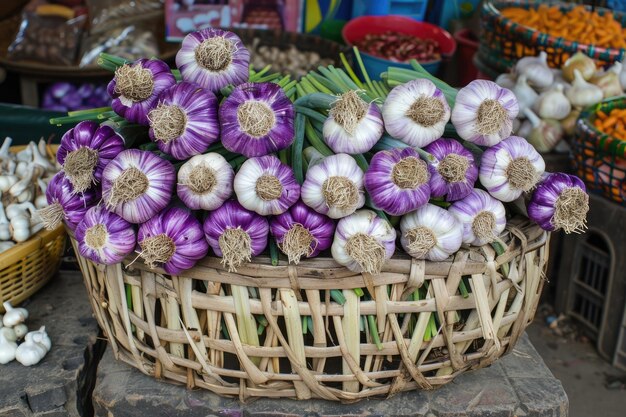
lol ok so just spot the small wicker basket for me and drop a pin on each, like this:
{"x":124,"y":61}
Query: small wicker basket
{"x":503,"y":42}
{"x":600,"y":159}
{"x":191,"y":329}
{"x":29,"y":265}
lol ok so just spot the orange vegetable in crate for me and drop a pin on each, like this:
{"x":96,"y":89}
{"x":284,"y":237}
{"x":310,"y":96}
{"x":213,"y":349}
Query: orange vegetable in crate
{"x":613,"y":124}
{"x":577,"y":24}
{"x":611,"y":176}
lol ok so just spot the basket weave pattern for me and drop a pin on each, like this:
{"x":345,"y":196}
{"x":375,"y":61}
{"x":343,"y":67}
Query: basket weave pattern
{"x":504,"y":42}
{"x":600,"y":159}
{"x":28,"y":266}
{"x":200,"y":341}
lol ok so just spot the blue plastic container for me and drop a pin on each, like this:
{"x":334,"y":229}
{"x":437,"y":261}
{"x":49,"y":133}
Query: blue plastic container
{"x":415,"y":9}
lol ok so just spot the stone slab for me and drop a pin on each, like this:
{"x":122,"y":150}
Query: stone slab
{"x":518,"y":385}
{"x":59,"y":384}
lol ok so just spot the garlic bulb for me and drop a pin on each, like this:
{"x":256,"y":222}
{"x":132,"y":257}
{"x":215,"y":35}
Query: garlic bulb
{"x":569,"y":123}
{"x":30,"y":352}
{"x":20,"y":330}
{"x":526,"y":96}
{"x":552,"y":104}
{"x":510,"y":168}
{"x":582,"y":93}
{"x":545,"y":134}
{"x":13,"y":316}
{"x":430,"y":232}
{"x":609,"y":82}
{"x":559,"y":78}
{"x":581,"y":62}
{"x":40,"y":336}
{"x":536,"y":70}
{"x":622,"y":73}
{"x":525,"y":128}
{"x":482,"y":216}
{"x":506,"y":80}
{"x":363,"y":242}
{"x":7,"y":345}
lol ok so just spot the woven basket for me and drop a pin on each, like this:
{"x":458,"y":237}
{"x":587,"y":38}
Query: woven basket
{"x":600,"y":159}
{"x":199,"y":342}
{"x":503,"y":42}
{"x":29,"y":265}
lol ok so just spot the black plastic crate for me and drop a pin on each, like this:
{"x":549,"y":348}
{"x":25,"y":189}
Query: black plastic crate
{"x":591,"y":278}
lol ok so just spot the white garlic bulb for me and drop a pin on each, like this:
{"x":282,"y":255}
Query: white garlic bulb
{"x":582,"y":93}
{"x":553,"y":104}
{"x":536,"y":70}
{"x":526,"y":96}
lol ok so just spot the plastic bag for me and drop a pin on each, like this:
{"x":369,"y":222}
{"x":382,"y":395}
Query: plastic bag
{"x":103,"y":13}
{"x":131,"y":42}
{"x":48,"y":39}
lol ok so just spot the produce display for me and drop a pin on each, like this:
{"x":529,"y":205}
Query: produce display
{"x":24,"y":182}
{"x":612,"y":123}
{"x":34,"y":345}
{"x":262,"y":16}
{"x":399,"y":47}
{"x":64,"y":96}
{"x":227,"y":161}
{"x":577,"y":24}
{"x":47,"y":38}
{"x":289,"y":60}
{"x":550,"y":100}
{"x":73,"y":33}
{"x":599,"y":153}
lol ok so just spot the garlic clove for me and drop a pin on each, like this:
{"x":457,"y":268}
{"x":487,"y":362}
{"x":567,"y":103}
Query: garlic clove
{"x":581,"y":62}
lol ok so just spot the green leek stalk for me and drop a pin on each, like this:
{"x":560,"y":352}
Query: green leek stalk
{"x":248,"y":332}
{"x":172,"y":317}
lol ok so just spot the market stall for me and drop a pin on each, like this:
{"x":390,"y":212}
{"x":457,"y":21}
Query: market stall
{"x":263,"y":213}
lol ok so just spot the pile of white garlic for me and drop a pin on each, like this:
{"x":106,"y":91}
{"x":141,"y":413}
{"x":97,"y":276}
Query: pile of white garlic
{"x":550,"y":100}
{"x":23,"y":179}
{"x":35,"y":344}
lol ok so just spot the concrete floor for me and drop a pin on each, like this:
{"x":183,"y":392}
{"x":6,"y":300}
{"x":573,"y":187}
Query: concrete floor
{"x":582,"y":372}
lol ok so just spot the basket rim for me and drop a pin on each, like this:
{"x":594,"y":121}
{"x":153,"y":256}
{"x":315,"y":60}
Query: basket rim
{"x":491,"y":9}
{"x":40,"y":238}
{"x":311,"y":272}
{"x":36,"y":241}
{"x":604,"y":141}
